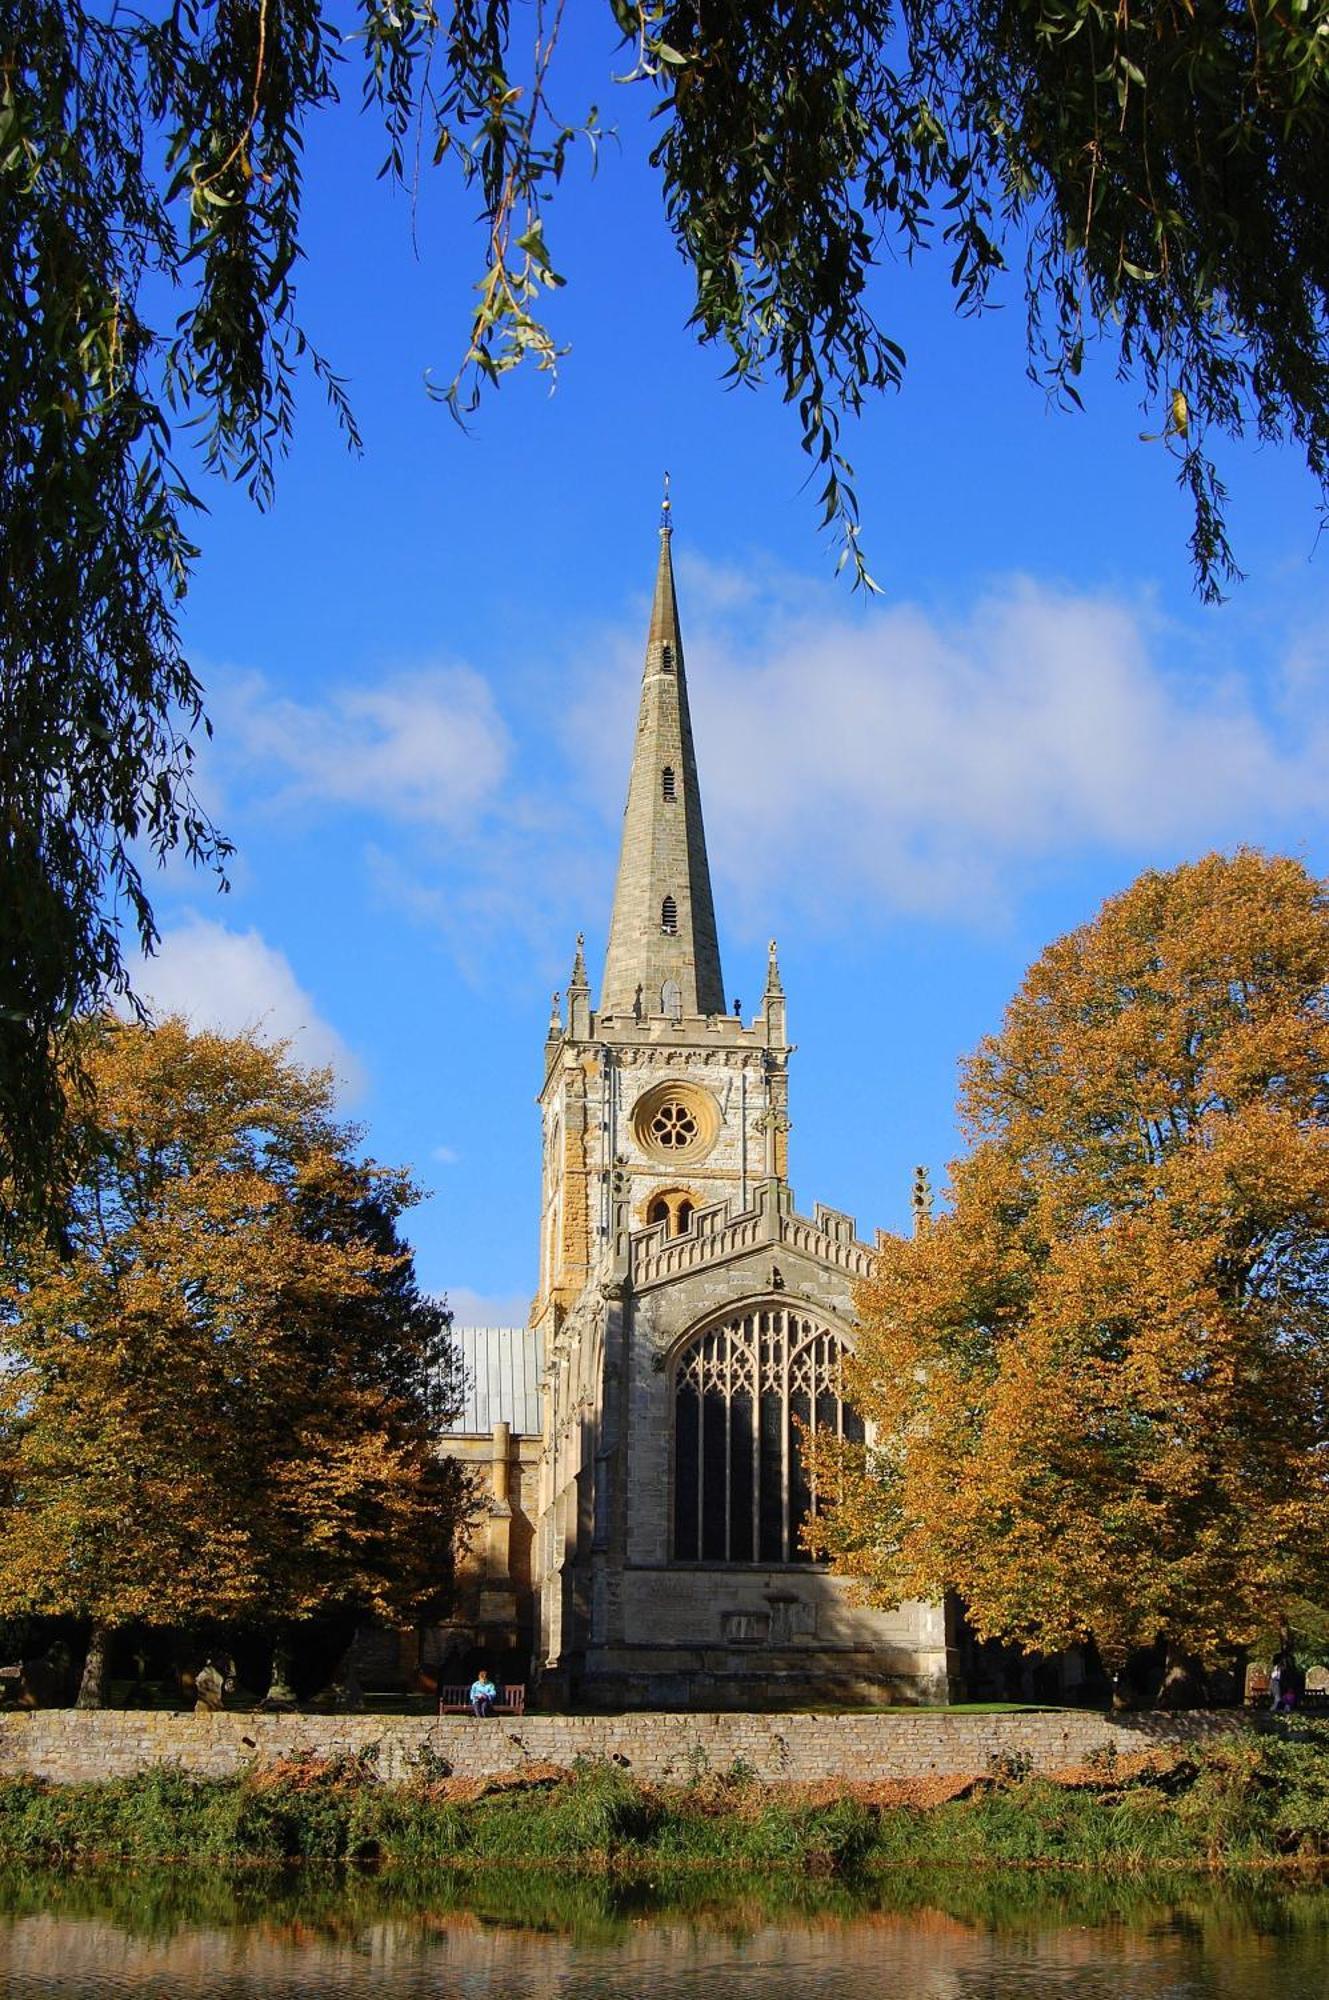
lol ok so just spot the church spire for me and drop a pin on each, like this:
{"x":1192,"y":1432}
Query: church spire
{"x":662,"y":939}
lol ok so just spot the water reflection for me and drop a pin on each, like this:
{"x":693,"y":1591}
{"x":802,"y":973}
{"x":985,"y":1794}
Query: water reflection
{"x":144,"y":1936}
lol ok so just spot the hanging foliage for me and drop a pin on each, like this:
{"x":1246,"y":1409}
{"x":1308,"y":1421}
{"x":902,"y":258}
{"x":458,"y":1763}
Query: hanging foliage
{"x":1157,"y":170}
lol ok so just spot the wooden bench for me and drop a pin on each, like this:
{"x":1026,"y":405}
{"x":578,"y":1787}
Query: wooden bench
{"x":510,"y":1700}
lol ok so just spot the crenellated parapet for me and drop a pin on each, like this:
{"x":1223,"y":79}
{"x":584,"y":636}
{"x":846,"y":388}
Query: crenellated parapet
{"x":723,"y":1230}
{"x":630,"y":1038}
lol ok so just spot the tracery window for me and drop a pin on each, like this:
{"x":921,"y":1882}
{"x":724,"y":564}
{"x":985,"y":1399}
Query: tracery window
{"x":674,"y":1125}
{"x":676,"y":1121}
{"x":741,"y":1488}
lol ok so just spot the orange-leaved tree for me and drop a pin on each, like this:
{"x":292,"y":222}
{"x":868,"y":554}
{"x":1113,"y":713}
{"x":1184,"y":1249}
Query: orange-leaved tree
{"x":1100,"y":1381}
{"x":219,"y":1397}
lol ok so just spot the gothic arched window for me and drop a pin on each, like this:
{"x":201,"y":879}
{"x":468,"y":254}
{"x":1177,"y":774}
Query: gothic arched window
{"x":667,"y":785}
{"x":669,"y":917}
{"x":741,"y":1389}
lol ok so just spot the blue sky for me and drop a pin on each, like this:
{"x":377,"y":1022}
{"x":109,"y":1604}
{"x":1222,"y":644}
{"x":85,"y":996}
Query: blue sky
{"x":422,"y":667}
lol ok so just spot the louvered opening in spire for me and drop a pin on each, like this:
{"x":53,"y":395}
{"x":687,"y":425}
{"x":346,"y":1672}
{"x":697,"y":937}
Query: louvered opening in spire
{"x":663,"y":953}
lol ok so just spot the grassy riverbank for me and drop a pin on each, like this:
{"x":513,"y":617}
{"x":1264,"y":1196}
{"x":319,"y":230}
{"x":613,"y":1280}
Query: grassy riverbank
{"x":1238,"y":1803}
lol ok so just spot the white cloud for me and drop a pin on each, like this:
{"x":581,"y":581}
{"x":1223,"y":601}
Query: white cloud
{"x":234,"y":981}
{"x":1305,"y":672}
{"x":447,"y":1156}
{"x":427,"y":746}
{"x":423,"y":758}
{"x":858,"y":759}
{"x":881,"y":756}
{"x":505,"y":904}
{"x":487,"y":1308}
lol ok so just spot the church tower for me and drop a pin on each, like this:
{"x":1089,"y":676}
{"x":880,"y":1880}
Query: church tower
{"x":692,"y":1322}
{"x":660,"y":1102}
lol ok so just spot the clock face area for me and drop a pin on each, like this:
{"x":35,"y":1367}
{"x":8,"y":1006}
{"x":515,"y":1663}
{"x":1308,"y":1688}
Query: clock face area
{"x":676,"y":1123}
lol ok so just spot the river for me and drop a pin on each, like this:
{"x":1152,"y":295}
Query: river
{"x":185,"y":1934}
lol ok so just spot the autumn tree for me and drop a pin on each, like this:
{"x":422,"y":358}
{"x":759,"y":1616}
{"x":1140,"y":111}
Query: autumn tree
{"x":1100,"y":1381}
{"x":219,"y":1404}
{"x":1156,"y":172}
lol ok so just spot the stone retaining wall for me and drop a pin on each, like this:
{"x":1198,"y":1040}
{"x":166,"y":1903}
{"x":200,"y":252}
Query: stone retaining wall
{"x":69,"y":1746}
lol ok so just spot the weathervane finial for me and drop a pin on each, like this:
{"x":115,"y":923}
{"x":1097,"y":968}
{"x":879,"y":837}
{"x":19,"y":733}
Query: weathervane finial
{"x":666,"y":510}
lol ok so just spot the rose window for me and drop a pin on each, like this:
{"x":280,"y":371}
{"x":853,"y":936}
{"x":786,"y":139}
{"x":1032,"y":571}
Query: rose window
{"x":673,"y":1125}
{"x":676,"y":1121}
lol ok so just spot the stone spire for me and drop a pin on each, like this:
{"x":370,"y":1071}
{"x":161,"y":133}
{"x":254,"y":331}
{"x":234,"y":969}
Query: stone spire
{"x":662,"y":937}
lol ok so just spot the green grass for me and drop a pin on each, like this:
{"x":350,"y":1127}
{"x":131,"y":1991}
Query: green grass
{"x":163,"y":1695}
{"x":1244,"y":1802}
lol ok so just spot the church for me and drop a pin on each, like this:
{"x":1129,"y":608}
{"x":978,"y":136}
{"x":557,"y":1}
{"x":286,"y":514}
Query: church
{"x":640,"y":1438}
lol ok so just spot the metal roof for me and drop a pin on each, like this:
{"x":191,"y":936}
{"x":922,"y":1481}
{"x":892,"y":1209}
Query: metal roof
{"x":504,"y":1367}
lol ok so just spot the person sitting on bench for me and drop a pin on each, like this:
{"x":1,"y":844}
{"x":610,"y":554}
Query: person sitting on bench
{"x":483,"y":1693}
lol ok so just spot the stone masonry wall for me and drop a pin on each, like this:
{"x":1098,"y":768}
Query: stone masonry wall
{"x":69,"y":1746}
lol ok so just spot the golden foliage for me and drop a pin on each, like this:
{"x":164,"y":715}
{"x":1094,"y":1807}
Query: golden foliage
{"x":218,"y":1404}
{"x":1100,"y":1382}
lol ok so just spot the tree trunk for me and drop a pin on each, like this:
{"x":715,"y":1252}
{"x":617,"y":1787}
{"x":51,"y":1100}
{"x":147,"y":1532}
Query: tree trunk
{"x":280,"y":1694}
{"x":92,"y":1687}
{"x":344,"y":1694}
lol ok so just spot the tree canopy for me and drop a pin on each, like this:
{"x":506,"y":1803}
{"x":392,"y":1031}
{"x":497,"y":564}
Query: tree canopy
{"x":1100,"y":1382}
{"x":1156,"y":170}
{"x":220,"y":1403}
